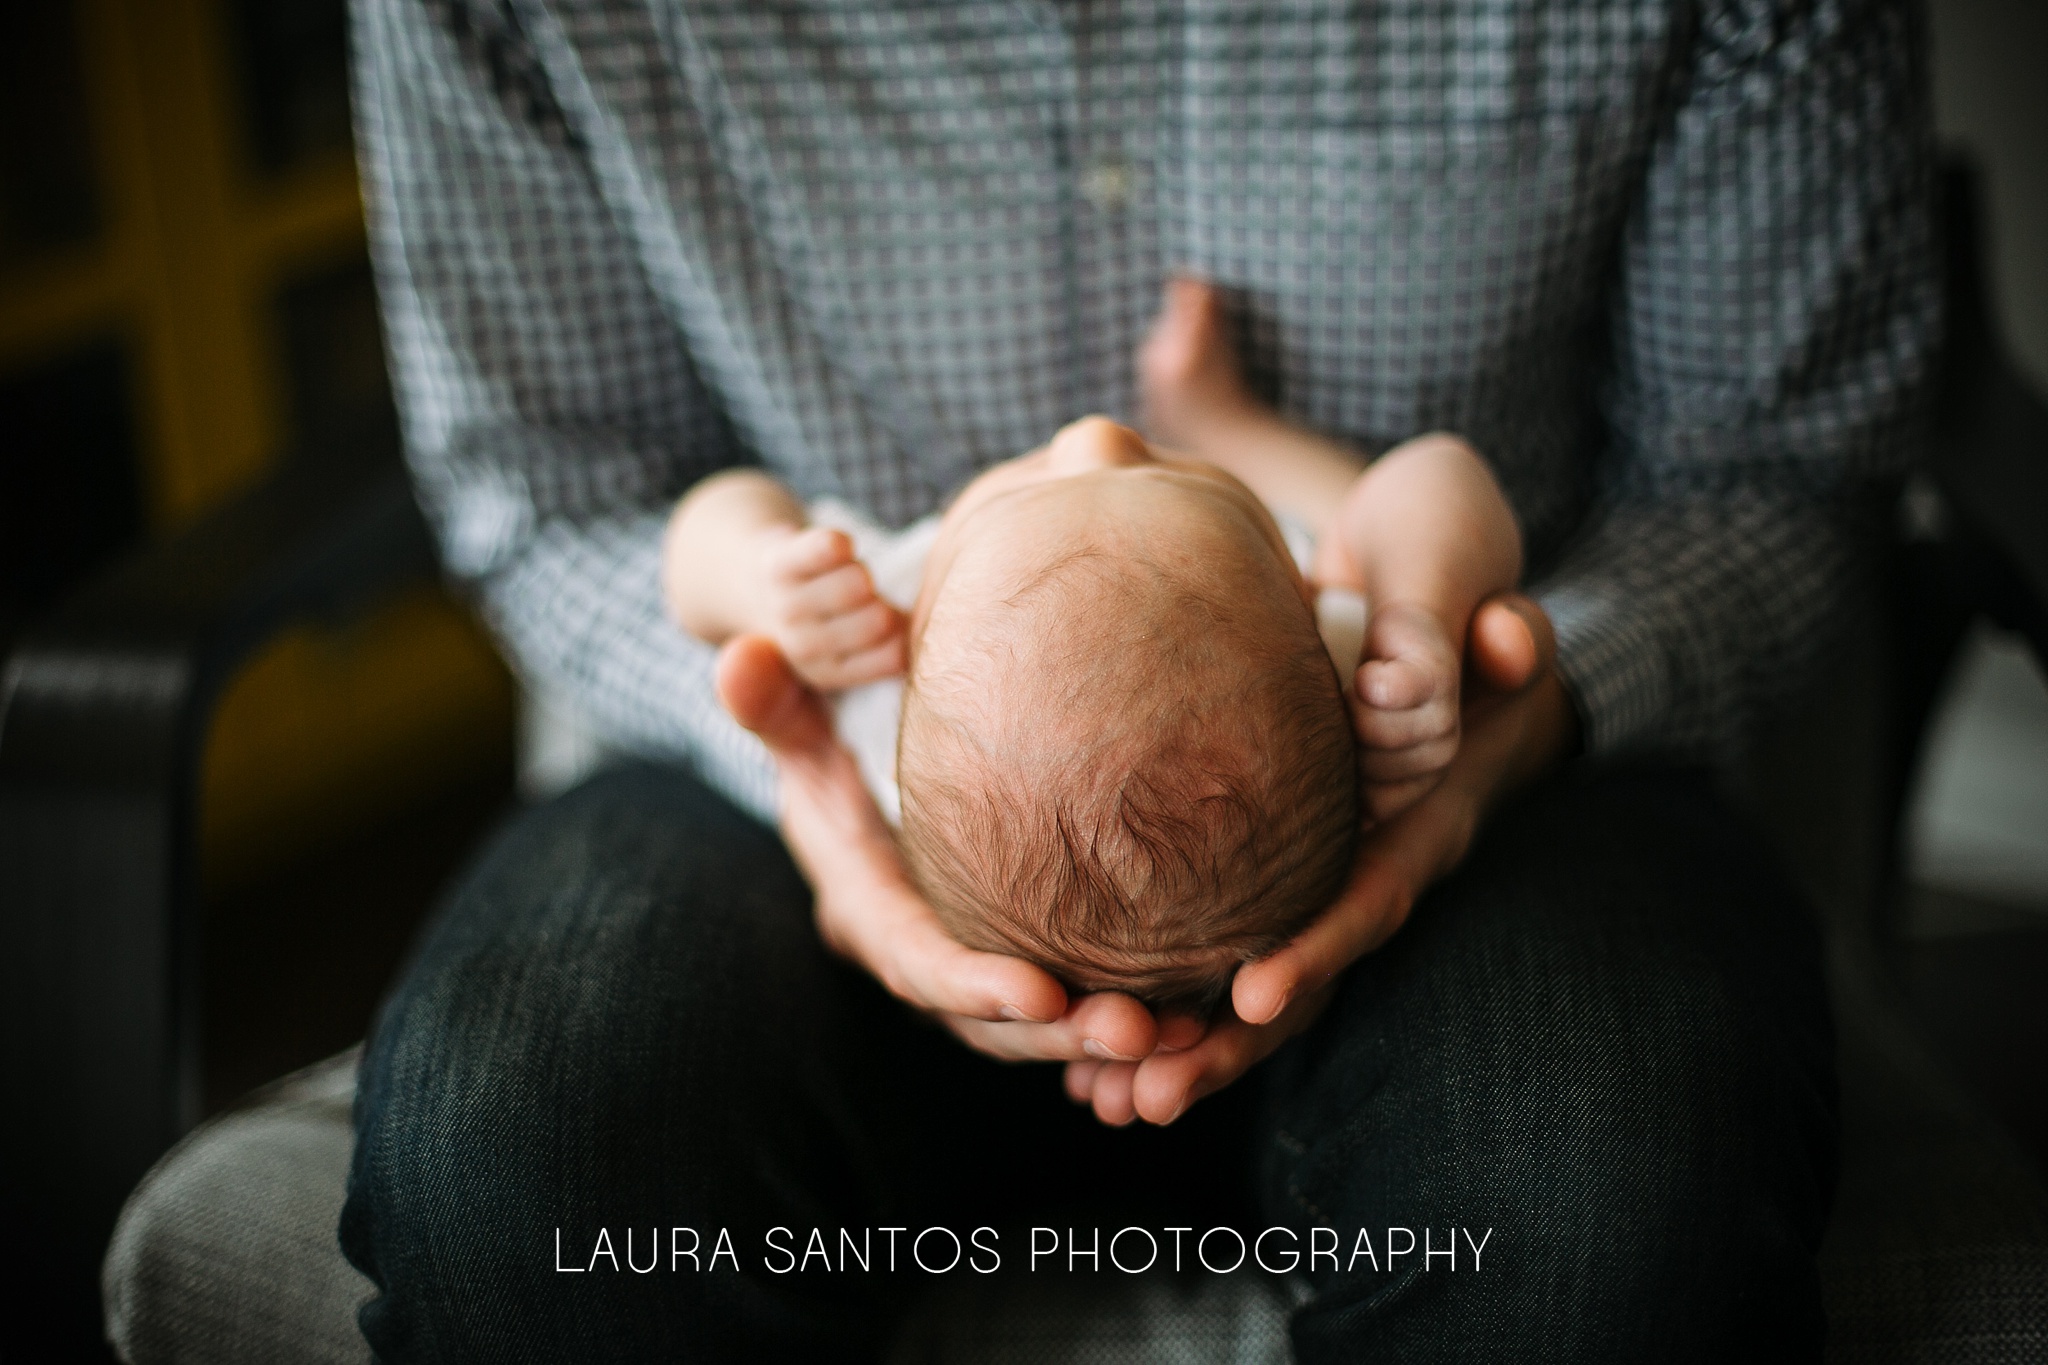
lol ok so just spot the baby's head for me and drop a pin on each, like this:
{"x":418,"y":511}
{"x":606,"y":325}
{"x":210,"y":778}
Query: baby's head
{"x":1124,"y":752}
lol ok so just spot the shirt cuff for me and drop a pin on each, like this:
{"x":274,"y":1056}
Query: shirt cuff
{"x":1613,"y":666}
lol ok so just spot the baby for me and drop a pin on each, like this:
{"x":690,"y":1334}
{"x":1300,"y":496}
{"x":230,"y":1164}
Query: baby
{"x":1116,"y":710}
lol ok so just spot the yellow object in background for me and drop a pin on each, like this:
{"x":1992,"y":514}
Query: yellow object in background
{"x":218,"y":254}
{"x":332,"y":728}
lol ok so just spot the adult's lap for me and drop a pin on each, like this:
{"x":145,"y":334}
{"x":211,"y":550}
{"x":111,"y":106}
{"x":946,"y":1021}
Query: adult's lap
{"x":1605,"y":1030}
{"x":623,"y":1017}
{"x":1606,"y":1040}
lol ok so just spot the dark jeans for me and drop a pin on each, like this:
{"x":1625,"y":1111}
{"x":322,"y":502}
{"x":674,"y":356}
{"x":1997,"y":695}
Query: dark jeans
{"x":1604,"y":1039}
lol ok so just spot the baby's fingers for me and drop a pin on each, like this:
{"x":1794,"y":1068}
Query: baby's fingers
{"x":885,"y":660}
{"x":1385,"y":800}
{"x":807,"y":554}
{"x":1427,"y":759}
{"x":1391,"y":730}
{"x":1409,"y":662}
{"x":842,"y":637}
{"x":1396,"y":684}
{"x":837,"y":592}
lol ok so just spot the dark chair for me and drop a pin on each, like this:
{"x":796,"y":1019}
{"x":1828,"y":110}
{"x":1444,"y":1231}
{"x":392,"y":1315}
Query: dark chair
{"x":105,"y":706}
{"x":1939,"y":1248}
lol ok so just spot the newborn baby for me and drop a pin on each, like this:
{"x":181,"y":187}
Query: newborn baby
{"x":1125,"y":751}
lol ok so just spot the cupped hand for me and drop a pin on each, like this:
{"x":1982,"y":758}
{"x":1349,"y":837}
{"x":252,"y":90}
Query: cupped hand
{"x":868,"y":911}
{"x":1517,"y":723}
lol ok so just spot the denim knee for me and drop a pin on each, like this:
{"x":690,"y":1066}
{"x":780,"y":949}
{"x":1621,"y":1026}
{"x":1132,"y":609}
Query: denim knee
{"x":1599,"y":1054}
{"x":546,"y":1062}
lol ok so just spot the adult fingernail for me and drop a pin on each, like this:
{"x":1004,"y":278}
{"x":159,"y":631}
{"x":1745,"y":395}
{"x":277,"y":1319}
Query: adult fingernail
{"x":1101,"y":1051}
{"x":1010,"y":1011}
{"x":1199,"y":1090}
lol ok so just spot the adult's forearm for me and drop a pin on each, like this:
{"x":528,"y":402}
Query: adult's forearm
{"x":1680,"y":622}
{"x":1774,"y":330}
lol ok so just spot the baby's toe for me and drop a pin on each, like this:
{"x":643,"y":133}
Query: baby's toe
{"x":1187,"y":365}
{"x":1182,"y":336}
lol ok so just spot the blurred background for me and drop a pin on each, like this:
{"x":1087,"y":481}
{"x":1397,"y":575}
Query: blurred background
{"x":186,"y":309}
{"x":185,"y":306}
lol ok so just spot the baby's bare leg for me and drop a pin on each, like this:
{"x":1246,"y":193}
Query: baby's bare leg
{"x":1196,"y":400}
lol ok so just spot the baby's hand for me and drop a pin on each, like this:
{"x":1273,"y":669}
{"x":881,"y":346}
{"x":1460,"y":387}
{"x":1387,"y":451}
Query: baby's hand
{"x":1404,"y":708}
{"x":823,"y":612}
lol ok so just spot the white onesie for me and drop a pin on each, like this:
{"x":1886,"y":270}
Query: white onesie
{"x":867,"y":717}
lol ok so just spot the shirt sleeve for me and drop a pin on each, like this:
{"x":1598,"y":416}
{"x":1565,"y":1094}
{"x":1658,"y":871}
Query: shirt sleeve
{"x":551,"y":411}
{"x":1773,"y":336}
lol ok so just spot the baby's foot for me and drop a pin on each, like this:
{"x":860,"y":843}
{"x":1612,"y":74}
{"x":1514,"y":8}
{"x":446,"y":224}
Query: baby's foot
{"x":1189,"y":378}
{"x":1404,"y":707}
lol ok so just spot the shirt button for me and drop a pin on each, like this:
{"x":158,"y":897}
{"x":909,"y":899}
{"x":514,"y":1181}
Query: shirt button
{"x":1107,"y":184}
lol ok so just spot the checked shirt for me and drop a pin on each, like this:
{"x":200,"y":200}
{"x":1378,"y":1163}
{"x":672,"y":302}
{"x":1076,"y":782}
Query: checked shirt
{"x":1666,"y":262}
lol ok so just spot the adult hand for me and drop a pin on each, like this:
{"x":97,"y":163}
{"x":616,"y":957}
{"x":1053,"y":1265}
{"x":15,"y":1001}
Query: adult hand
{"x":868,"y":911}
{"x":1518,"y":722}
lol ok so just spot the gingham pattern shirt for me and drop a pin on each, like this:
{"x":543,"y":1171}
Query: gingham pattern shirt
{"x":1667,"y":263}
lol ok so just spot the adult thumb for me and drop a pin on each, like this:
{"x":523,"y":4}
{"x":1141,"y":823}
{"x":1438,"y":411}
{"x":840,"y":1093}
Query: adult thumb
{"x":763,"y":693}
{"x":1510,"y":641}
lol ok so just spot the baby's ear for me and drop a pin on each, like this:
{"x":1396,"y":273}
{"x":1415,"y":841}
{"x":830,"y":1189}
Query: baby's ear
{"x":763,"y":693}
